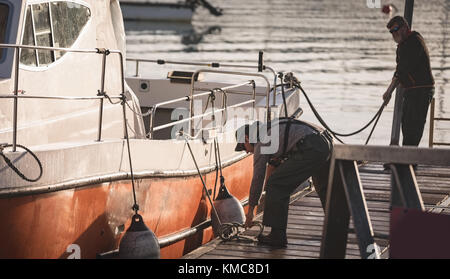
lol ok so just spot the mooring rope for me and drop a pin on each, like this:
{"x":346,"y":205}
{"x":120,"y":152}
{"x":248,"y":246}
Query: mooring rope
{"x":135,"y":206}
{"x":375,"y":118}
{"x":233,"y":231}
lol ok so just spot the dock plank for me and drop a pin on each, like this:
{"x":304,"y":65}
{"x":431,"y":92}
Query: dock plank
{"x":306,"y":217}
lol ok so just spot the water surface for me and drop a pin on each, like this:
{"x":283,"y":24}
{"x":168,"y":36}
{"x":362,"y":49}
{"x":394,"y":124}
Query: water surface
{"x":340,"y":50}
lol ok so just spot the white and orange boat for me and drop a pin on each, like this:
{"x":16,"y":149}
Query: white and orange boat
{"x":65,"y":99}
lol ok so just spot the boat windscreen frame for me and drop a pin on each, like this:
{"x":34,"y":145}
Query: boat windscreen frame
{"x":62,"y":57}
{"x":10,"y":37}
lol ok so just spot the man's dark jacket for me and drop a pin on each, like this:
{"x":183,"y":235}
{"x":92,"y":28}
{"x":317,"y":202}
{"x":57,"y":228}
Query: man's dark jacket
{"x":413,"y":62}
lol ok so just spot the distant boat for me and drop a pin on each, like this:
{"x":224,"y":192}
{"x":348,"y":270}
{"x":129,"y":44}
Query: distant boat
{"x":164,"y":11}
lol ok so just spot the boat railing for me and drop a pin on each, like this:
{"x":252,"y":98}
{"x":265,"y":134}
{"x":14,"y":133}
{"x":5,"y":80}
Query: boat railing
{"x":433,"y":119}
{"x":345,"y":194}
{"x":101,"y":95}
{"x":253,"y":75}
{"x":222,"y":90}
{"x":217,"y":65}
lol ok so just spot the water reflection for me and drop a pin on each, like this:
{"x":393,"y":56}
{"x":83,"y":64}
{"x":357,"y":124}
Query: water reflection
{"x":340,"y":50}
{"x":189,"y":35}
{"x":194,"y":37}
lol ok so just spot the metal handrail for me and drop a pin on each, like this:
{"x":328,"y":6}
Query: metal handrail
{"x":345,"y":192}
{"x":74,"y":98}
{"x":191,"y":107}
{"x":101,"y":93}
{"x":200,"y":115}
{"x":153,"y":111}
{"x":203,"y":64}
{"x":432,"y":120}
{"x":187,"y":98}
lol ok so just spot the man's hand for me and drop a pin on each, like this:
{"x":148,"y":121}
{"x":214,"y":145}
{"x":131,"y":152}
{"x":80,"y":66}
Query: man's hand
{"x":249,"y":217}
{"x":388,"y":94}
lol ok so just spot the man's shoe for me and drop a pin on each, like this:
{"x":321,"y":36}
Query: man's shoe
{"x":273,"y":241}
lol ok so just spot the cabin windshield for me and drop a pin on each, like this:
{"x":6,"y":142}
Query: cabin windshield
{"x":4,"y":10}
{"x":52,"y":24}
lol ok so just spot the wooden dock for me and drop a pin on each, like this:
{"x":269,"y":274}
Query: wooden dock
{"x":306,"y":218}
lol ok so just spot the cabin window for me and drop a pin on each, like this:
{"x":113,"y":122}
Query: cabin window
{"x":52,"y":24}
{"x":28,"y":56}
{"x":4,"y":11}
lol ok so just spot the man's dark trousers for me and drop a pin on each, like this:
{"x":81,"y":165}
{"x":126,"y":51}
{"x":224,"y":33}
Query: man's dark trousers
{"x":415,"y":108}
{"x":312,"y":156}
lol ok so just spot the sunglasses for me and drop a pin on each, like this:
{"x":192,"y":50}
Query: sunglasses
{"x":395,"y":29}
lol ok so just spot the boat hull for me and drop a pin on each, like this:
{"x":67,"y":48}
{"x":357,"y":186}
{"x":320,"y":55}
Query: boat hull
{"x":90,"y":220}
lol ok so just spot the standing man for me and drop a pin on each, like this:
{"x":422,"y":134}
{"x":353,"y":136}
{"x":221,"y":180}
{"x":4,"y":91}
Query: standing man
{"x":413,"y":73}
{"x":303,"y":151}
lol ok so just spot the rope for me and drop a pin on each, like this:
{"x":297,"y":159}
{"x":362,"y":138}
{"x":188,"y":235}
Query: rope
{"x":201,"y":177}
{"x":135,"y":206}
{"x":375,"y":118}
{"x":16,"y":170}
{"x":233,"y":231}
{"x":138,"y":113}
{"x":227,"y":231}
{"x":103,"y":94}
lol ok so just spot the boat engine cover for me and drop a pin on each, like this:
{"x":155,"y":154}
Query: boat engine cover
{"x":229,"y":210}
{"x":139,"y":242}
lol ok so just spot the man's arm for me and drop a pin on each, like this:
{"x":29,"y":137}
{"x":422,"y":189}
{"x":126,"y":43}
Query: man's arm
{"x":388,"y":94}
{"x":251,"y":208}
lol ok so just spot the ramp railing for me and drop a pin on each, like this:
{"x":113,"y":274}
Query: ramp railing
{"x":433,"y":119}
{"x":345,"y":194}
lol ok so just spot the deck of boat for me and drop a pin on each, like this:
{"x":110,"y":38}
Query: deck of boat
{"x":306,"y":218}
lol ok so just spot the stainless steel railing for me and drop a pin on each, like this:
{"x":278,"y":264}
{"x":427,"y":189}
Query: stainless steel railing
{"x":222,"y":90}
{"x":431,"y":141}
{"x":101,"y":93}
{"x":191,"y":106}
{"x":204,"y":64}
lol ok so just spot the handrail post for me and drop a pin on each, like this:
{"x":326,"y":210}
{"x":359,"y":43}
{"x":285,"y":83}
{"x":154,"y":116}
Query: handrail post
{"x":431,"y":133}
{"x":122,"y":84}
{"x":101,"y":92}
{"x":137,"y":68}
{"x":225,"y":109}
{"x":16,"y":92}
{"x":191,"y":105}
{"x":254,"y":99}
{"x":397,"y":118}
{"x":152,"y":120}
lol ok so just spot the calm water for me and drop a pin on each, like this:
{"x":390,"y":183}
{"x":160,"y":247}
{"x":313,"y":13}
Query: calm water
{"x":340,"y":50}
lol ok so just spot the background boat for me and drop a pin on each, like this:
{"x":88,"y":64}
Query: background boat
{"x":164,"y":10}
